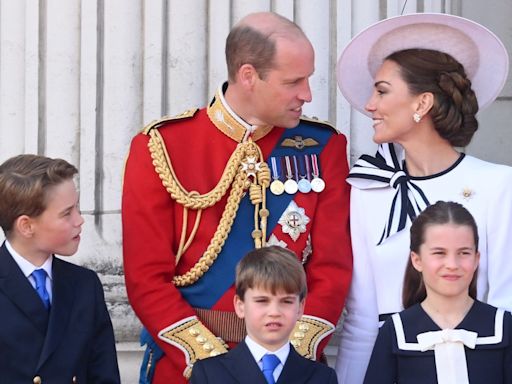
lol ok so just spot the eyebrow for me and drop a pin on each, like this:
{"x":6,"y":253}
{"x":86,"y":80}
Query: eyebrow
{"x":377,"y":83}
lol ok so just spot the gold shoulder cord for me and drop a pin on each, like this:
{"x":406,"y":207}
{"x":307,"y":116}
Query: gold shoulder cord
{"x":245,"y":169}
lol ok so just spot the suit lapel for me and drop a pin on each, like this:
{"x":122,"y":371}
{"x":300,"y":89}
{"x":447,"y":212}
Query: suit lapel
{"x":18,"y":289}
{"x":242,"y":366}
{"x":62,"y":305}
{"x":295,"y":370}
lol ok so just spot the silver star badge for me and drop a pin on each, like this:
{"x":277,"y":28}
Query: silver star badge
{"x":294,"y":220}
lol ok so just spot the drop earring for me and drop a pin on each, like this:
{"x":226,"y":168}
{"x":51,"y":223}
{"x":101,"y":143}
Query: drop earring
{"x":416,"y":117}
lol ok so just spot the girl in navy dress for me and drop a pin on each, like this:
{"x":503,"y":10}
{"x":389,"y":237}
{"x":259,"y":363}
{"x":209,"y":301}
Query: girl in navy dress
{"x":444,"y":335}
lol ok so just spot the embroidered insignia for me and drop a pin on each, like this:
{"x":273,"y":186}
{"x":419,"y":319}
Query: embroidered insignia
{"x":273,"y":240}
{"x":250,"y":166}
{"x":299,"y":143}
{"x":467,"y":193}
{"x":294,"y":220}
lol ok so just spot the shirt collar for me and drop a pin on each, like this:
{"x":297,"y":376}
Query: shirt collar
{"x":258,"y":351}
{"x":26,"y":266}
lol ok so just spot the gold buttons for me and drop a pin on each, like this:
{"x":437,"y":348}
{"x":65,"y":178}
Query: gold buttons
{"x":37,"y":380}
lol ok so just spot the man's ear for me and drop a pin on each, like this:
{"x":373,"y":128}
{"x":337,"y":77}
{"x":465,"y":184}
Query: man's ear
{"x":247,"y":75}
{"x":238,"y":303}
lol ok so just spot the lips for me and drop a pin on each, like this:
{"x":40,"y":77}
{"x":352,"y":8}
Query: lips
{"x":451,"y":277}
{"x":273,"y":325}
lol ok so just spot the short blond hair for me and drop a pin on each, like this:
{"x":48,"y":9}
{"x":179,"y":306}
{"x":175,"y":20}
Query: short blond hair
{"x":272,"y":268}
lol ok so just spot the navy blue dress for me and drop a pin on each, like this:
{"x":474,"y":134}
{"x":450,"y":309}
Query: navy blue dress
{"x":489,"y":363}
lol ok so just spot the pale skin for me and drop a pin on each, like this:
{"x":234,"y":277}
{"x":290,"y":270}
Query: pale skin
{"x":56,"y":230}
{"x":276,"y":99}
{"x":269,"y":318}
{"x":392,"y":107}
{"x":447,"y":260}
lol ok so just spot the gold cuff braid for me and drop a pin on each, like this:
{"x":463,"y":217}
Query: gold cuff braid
{"x":194,"y":339}
{"x":308,"y":333}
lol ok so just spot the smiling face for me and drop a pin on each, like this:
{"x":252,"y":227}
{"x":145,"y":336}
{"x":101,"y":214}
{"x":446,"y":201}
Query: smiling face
{"x":269,"y":318}
{"x":279,"y":96}
{"x":57,"y":229}
{"x":392,"y":106}
{"x":447,"y":260}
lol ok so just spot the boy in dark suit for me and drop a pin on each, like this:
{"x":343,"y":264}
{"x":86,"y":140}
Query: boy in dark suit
{"x":270,"y":294}
{"x":55,"y":327}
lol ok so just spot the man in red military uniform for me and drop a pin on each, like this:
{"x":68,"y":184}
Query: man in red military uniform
{"x":203,"y":188}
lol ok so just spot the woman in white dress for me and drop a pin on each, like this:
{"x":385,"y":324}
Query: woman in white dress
{"x":422,"y":78}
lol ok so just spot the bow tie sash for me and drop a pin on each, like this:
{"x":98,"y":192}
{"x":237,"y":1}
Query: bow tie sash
{"x":450,"y":357}
{"x":385,"y":170}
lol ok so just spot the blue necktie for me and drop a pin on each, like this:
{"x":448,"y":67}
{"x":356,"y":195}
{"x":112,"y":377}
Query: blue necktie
{"x":39,"y":276}
{"x":270,"y":362}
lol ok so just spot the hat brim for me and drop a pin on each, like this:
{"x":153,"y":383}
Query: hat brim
{"x":479,"y":50}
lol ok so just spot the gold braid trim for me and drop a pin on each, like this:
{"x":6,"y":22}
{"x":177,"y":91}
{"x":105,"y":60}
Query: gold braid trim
{"x":243,"y":170}
{"x":194,"y":340}
{"x":309,"y":331}
{"x":191,"y":199}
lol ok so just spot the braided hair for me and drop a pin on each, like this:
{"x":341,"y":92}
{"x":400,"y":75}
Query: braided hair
{"x":455,"y":103}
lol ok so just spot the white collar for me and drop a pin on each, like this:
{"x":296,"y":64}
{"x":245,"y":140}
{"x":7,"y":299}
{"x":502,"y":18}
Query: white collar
{"x":26,"y":266}
{"x":258,"y":351}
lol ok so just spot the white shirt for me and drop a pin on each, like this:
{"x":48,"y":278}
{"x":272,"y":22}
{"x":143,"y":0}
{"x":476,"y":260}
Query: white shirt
{"x":27,"y":268}
{"x":258,"y":352}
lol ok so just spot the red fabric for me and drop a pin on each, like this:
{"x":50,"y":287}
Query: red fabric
{"x":152,"y":222}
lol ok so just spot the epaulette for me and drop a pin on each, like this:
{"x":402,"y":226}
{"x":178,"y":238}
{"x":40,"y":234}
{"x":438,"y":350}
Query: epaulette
{"x":156,"y":123}
{"x":322,"y":123}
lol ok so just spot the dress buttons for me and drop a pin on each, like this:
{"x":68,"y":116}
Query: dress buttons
{"x":37,"y":380}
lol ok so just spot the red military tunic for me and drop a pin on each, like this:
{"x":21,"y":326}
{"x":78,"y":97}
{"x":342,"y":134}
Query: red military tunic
{"x":152,"y":225}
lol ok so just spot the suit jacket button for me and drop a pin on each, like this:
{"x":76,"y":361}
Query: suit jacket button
{"x":74,"y":380}
{"x":37,"y":380}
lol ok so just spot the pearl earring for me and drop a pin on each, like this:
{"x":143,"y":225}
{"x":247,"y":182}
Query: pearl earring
{"x":416,"y":117}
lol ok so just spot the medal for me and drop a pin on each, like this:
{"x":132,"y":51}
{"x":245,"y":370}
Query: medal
{"x":277,"y":186}
{"x":303,"y":184}
{"x":290,"y":185}
{"x":317,"y":184}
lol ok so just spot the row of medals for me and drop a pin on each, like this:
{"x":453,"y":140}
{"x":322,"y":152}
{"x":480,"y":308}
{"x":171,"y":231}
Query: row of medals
{"x":304,"y":183}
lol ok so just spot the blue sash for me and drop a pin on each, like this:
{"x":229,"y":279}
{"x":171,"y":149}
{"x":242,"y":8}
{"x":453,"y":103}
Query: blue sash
{"x":221,"y":275}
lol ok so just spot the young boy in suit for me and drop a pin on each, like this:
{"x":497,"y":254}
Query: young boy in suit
{"x":55,"y":327}
{"x":270,"y":295}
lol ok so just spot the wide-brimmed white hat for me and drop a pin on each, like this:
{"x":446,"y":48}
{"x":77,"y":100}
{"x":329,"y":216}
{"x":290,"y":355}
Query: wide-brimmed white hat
{"x":480,"y":51}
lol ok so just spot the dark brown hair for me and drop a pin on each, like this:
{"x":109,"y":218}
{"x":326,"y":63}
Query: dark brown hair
{"x":271,"y":268}
{"x":24,"y":184}
{"x":455,"y":103}
{"x":441,"y":212}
